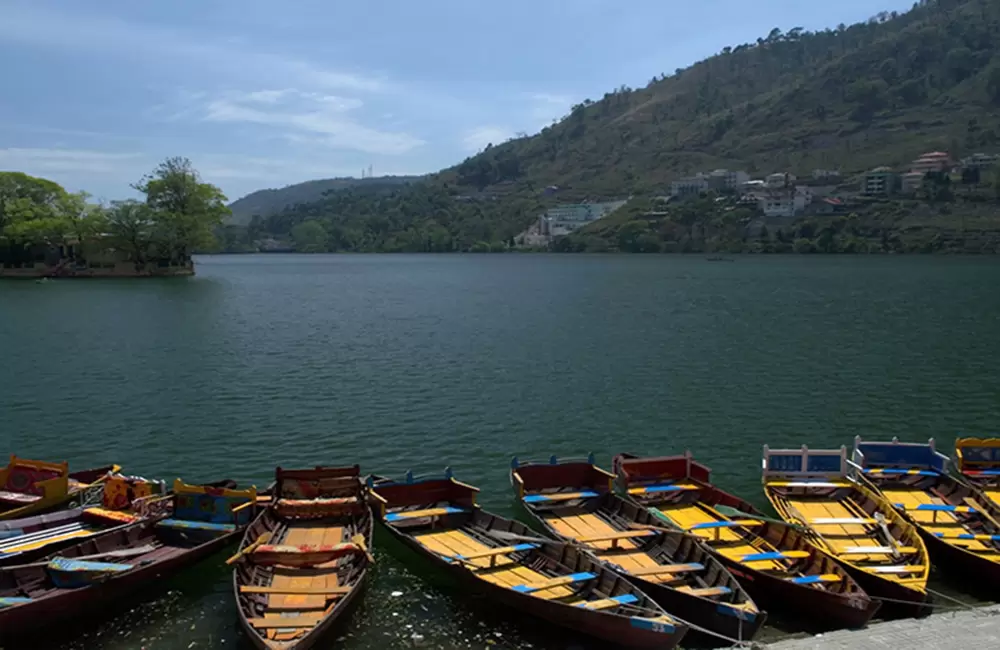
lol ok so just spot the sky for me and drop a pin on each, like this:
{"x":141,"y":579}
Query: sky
{"x":261,"y":94}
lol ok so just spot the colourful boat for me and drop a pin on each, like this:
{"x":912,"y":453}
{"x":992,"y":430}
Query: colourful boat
{"x":124,"y":500}
{"x":774,"y":562}
{"x":31,"y":487}
{"x":303,"y":561}
{"x":81,"y":581}
{"x":572,"y":500}
{"x":978,"y":461}
{"x":507,"y":563}
{"x":883,"y":551}
{"x":960,"y":526}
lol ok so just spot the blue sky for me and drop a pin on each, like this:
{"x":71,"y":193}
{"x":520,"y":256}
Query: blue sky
{"x":264,"y":94}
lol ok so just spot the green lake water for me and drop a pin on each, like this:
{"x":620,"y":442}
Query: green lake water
{"x":421,"y":362}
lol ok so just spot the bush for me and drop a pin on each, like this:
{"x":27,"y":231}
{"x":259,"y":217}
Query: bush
{"x":803,"y":245}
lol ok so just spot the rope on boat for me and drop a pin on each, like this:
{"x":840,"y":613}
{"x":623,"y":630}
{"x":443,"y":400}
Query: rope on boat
{"x":925,"y":604}
{"x":938,"y":594}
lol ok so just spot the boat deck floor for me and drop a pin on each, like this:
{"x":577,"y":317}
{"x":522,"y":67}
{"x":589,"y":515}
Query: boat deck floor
{"x":947,"y":523}
{"x":726,"y":541}
{"x":319,"y":578}
{"x":504,"y":572}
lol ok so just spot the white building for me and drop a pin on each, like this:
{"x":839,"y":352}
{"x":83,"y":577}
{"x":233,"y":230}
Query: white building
{"x":980,"y":161}
{"x":725,"y":179}
{"x":781,"y":179}
{"x":825,"y":175}
{"x":691,"y":186}
{"x":564,"y":219}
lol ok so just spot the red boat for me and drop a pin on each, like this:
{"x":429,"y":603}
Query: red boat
{"x":507,"y":563}
{"x":84,"y":579}
{"x":774,"y":562}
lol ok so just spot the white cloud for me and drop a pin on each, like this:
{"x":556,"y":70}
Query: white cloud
{"x":477,"y":139}
{"x":323,"y":118}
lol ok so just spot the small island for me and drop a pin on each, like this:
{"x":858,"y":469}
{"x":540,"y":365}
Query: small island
{"x":47,"y":232}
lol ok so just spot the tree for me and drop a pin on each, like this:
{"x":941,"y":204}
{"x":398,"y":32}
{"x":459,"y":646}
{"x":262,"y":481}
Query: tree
{"x":131,"y":225}
{"x":993,"y":81}
{"x":310,"y":237}
{"x":187,"y":210}
{"x":29,"y":206}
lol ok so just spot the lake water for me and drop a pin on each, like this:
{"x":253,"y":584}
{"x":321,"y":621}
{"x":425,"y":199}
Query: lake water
{"x":421,"y":362}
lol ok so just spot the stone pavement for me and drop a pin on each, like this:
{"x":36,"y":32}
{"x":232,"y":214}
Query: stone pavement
{"x":979,"y":628}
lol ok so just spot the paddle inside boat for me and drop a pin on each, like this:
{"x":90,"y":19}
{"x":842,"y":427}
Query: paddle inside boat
{"x":508,"y":563}
{"x":978,"y":461}
{"x":83,"y":579}
{"x":883,"y":551}
{"x":30,"y":487}
{"x":304,"y":559}
{"x":572,"y":501}
{"x":774,"y":562}
{"x":960,"y":526}
{"x":124,"y":500}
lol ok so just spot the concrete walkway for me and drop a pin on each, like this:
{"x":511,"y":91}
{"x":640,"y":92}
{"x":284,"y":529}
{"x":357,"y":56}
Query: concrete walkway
{"x":978,"y":628}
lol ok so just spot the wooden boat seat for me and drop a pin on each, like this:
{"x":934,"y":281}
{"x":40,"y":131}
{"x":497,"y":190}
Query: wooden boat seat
{"x":734,"y":523}
{"x":706,"y":592}
{"x":841,"y":521}
{"x":20,"y":542}
{"x":12,"y":601}
{"x":809,"y":484}
{"x":108,"y":515}
{"x":935,"y":507}
{"x":988,"y":538}
{"x":420,"y":514}
{"x":775,"y":555}
{"x":667,"y":569}
{"x":18,"y":498}
{"x":72,"y":574}
{"x":913,"y":568}
{"x":616,"y":537}
{"x":304,"y":555}
{"x":492,"y":554}
{"x":890,"y":471}
{"x":190,"y":524}
{"x":329,"y":592}
{"x":289,"y":622}
{"x":316,"y":508}
{"x":554,"y":582}
{"x":608,"y":603}
{"x":878,"y":550}
{"x":560,"y":496}
{"x":654,"y":489}
{"x":816,"y":579}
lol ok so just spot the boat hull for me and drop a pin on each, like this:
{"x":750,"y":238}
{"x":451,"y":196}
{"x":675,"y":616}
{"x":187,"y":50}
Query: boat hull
{"x":820,"y":610}
{"x":975,"y":573}
{"x":70,"y":605}
{"x":72,"y":498}
{"x":616,"y":631}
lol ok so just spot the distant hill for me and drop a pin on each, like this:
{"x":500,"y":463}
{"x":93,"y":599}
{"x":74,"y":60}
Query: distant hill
{"x":267,"y":202}
{"x":846,"y":98}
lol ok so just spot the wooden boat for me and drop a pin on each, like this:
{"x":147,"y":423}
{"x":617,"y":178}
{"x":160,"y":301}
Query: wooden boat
{"x":883,"y":551}
{"x":303,"y":561}
{"x":978,"y":462}
{"x":960,"y":526}
{"x":31,"y":487}
{"x":507,"y":563}
{"x":572,"y":501}
{"x":124,"y":500}
{"x":774,"y":562}
{"x":82,"y":580}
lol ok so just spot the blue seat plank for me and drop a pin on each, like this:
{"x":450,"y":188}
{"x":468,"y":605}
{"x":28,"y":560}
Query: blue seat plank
{"x":398,"y":516}
{"x":11,"y":601}
{"x":935,"y":507}
{"x":560,"y":496}
{"x":892,"y":470}
{"x":188,"y":524}
{"x":811,"y":580}
{"x":775,"y":555}
{"x":983,"y":472}
{"x":624,"y":599}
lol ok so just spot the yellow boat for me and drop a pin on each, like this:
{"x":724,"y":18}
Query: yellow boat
{"x":978,"y":461}
{"x":961,"y":528}
{"x":817,"y":489}
{"x":31,"y":487}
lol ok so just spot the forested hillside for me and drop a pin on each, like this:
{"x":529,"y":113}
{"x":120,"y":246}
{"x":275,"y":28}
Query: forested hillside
{"x":847,"y":98}
{"x":267,"y":202}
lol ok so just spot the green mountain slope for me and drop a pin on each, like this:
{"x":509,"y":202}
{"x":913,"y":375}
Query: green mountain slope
{"x":264,"y":203}
{"x":850,"y":98}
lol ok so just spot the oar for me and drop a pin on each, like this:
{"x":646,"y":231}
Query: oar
{"x":250,"y":548}
{"x":359,"y":541}
{"x":729,"y":511}
{"x":123,"y":553}
{"x":515,"y":537}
